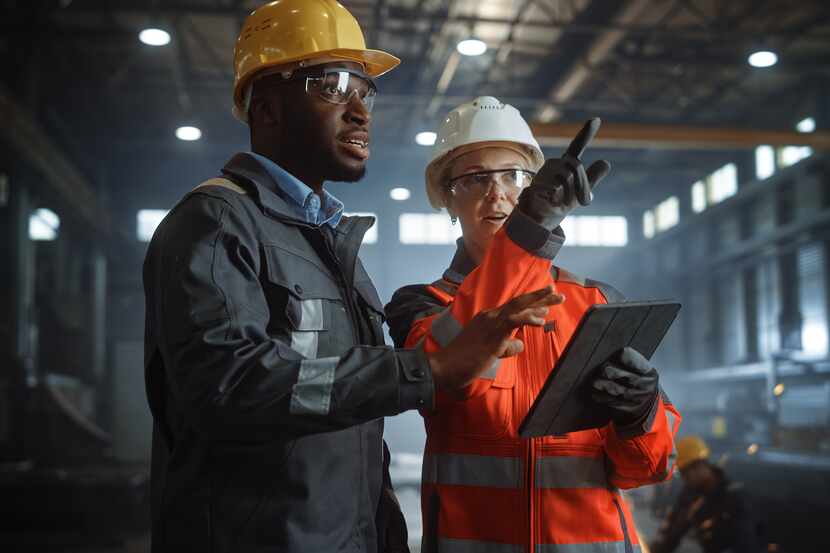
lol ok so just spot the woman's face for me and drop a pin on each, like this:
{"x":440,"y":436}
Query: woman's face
{"x":482,"y":214}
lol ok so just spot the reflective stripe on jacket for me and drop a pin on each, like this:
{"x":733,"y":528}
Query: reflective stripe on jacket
{"x":484,"y":488}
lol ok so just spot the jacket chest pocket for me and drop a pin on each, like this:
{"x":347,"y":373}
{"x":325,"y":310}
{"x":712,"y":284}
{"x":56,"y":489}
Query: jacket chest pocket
{"x":304,"y":302}
{"x":487,"y":415}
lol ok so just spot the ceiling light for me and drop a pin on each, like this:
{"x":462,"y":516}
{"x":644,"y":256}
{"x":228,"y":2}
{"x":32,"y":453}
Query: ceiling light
{"x":426,"y":138}
{"x":399,"y":194}
{"x":763,"y":58}
{"x":188,"y":133}
{"x":471,"y":47}
{"x":808,"y":124}
{"x":154,"y":37}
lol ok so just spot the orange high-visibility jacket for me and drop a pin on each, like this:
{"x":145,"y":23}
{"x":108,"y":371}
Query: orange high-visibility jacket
{"x":484,"y":488}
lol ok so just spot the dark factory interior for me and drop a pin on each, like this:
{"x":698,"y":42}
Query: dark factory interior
{"x":716,"y":123}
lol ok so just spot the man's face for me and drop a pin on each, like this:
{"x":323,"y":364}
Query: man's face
{"x":333,"y":138}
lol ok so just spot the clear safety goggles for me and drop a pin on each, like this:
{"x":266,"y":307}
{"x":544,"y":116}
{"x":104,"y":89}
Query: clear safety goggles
{"x":479,"y":184}
{"x":337,"y":85}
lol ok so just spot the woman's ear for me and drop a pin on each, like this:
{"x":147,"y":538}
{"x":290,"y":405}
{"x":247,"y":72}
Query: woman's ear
{"x":448,"y":202}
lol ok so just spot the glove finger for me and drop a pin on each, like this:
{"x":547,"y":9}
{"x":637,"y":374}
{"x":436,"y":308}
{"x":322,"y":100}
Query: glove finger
{"x":585,"y":135}
{"x":597,"y":171}
{"x":608,"y":388}
{"x":582,"y":186}
{"x":620,"y":375}
{"x":633,"y":360}
{"x":572,"y":183}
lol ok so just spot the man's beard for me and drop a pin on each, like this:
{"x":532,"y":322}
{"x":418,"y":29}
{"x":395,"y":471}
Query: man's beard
{"x":334,"y":171}
{"x":329,"y":167}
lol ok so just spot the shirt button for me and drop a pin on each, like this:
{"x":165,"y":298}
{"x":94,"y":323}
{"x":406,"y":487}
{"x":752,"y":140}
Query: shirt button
{"x":418,"y":373}
{"x":298,"y":288}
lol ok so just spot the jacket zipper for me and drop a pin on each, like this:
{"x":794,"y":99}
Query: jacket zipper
{"x":348,"y":297}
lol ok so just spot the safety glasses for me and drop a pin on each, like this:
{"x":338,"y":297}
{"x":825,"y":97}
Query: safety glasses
{"x":337,"y":85}
{"x":478,"y":184}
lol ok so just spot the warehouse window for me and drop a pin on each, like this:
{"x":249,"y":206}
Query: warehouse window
{"x":427,"y":228}
{"x":648,"y":224}
{"x":722,"y":184}
{"x":790,"y":155}
{"x":666,"y":214}
{"x":699,"y":196}
{"x":715,"y":188}
{"x":768,"y":159}
{"x":147,"y":222}
{"x":584,"y":230}
{"x":764,"y":162}
{"x":43,"y":225}
{"x":371,"y":236}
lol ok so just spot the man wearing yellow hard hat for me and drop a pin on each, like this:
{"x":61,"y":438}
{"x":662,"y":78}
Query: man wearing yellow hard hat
{"x":710,"y":507}
{"x":266,"y":368}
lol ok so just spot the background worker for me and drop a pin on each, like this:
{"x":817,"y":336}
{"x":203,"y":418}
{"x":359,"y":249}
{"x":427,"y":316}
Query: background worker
{"x":266,"y":369}
{"x":484,"y":488}
{"x":709,"y":506}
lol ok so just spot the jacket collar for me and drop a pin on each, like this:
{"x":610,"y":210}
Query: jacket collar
{"x":461,"y":265}
{"x":243,"y":166}
{"x":267,"y":192}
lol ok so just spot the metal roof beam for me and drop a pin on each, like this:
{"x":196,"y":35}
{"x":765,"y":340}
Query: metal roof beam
{"x":625,"y":135}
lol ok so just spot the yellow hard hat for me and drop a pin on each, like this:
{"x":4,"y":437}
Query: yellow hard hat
{"x":691,"y":449}
{"x":288,"y":31}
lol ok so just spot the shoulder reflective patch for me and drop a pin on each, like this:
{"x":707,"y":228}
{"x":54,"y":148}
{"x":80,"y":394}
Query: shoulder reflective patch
{"x":452,"y":545}
{"x":445,"y":286}
{"x":450,"y":469}
{"x":224,"y":183}
{"x":567,"y":276}
{"x":571,"y":472}
{"x":312,"y":392}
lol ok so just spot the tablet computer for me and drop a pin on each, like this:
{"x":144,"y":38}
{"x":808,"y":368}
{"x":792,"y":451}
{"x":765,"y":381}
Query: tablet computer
{"x":564,"y":404}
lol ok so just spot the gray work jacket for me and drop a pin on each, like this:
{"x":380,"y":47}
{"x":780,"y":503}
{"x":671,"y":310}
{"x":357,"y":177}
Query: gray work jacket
{"x":268,"y":378}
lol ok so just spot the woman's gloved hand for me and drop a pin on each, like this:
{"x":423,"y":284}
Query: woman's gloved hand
{"x":628,"y":385}
{"x":563,"y":184}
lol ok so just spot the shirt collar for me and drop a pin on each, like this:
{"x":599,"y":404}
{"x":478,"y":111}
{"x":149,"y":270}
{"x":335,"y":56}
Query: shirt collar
{"x":308,"y":206}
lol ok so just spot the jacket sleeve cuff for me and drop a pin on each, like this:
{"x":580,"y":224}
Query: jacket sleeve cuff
{"x":640,"y":426}
{"x":417,"y":389}
{"x":533,"y":237}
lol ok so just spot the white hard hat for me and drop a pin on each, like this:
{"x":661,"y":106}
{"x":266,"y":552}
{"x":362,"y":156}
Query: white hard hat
{"x":481,"y":123}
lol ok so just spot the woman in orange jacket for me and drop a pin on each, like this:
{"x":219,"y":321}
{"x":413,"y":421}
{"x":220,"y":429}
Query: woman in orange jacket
{"x":483,"y":487}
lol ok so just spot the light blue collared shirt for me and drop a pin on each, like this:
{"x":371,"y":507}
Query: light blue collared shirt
{"x":307,"y":205}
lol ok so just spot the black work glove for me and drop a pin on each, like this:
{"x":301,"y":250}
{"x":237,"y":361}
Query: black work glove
{"x":563,"y":184}
{"x":627,"y":385}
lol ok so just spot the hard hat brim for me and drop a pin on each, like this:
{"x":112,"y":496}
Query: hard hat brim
{"x":376,"y":62}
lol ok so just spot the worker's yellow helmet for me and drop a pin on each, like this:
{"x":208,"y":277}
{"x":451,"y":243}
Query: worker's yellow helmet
{"x":288,"y":31}
{"x":691,"y":449}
